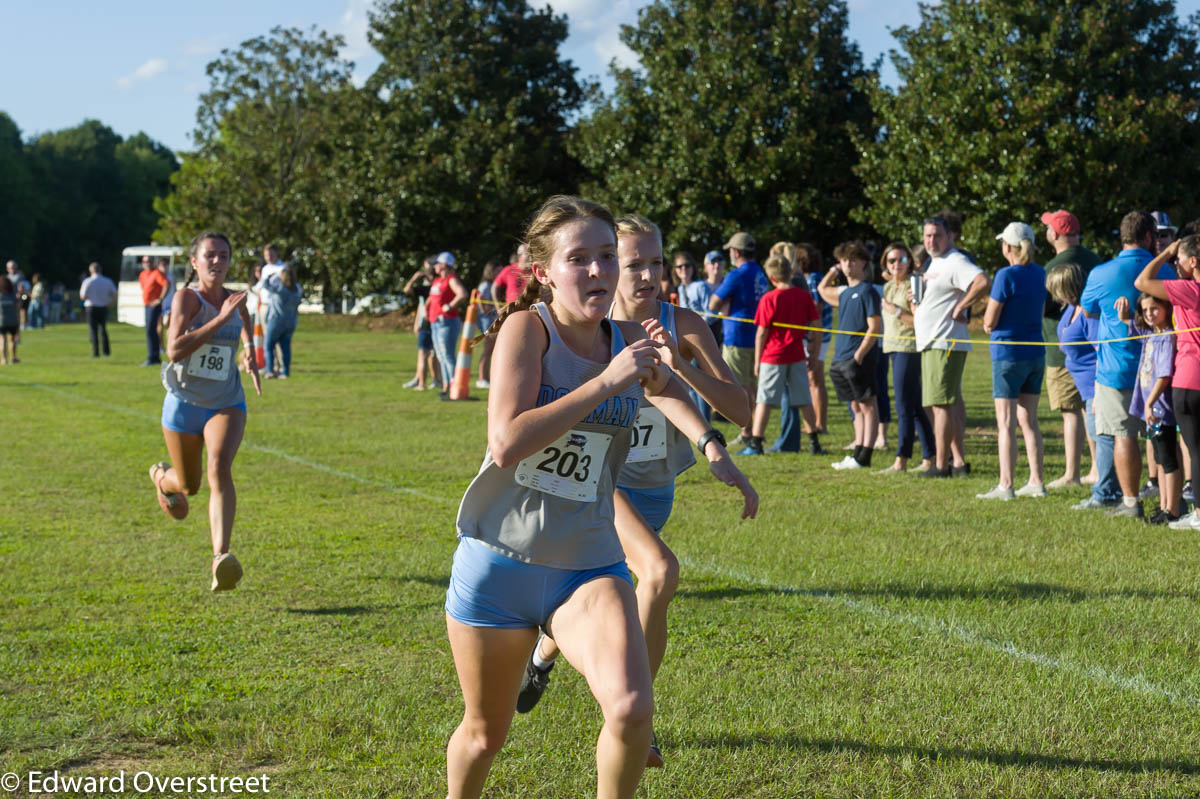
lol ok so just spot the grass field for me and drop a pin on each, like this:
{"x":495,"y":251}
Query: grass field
{"x":866,"y":636}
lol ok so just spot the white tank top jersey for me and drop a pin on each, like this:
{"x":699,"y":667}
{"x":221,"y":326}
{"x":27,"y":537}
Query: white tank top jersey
{"x":208,"y":378}
{"x":555,"y":507}
{"x":658,"y":452}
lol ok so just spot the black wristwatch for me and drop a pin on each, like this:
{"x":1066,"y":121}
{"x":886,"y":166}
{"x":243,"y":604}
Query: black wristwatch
{"x":702,"y":442}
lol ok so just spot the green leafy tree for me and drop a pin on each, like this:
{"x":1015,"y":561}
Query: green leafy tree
{"x":1007,"y":108}
{"x":738,"y":119}
{"x":146,"y":167}
{"x":472,"y":132}
{"x":263,"y":154}
{"x":18,"y":196}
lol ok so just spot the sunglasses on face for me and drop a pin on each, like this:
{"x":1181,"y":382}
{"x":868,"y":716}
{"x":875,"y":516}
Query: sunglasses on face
{"x":903,"y":259}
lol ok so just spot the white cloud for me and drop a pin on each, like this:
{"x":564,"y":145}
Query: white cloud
{"x":608,"y":45}
{"x":353,"y":27}
{"x":147,"y":71}
{"x":206,"y":46}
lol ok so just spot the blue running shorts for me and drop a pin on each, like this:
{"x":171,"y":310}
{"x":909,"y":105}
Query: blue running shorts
{"x":183,"y":417}
{"x":653,"y":503}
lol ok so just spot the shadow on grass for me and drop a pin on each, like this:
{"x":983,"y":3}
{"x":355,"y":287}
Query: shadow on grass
{"x":349,"y":610}
{"x":1007,"y":592}
{"x":1010,"y":758}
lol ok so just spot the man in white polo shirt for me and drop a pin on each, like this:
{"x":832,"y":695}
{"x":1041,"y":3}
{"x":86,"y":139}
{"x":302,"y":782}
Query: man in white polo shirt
{"x":952,"y":284}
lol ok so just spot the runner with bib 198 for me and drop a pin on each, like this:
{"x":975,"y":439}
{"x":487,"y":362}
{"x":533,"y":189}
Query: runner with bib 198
{"x":537,"y":543}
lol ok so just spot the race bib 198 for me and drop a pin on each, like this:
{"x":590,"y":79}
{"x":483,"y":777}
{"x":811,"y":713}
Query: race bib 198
{"x":212,"y":361}
{"x":649,"y":436}
{"x":568,"y":468}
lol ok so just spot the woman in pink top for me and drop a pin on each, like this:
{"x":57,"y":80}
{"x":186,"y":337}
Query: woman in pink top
{"x":1184,"y":294}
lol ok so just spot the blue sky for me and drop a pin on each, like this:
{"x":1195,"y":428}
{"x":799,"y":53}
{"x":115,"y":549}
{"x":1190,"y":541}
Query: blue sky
{"x":139,"y":64}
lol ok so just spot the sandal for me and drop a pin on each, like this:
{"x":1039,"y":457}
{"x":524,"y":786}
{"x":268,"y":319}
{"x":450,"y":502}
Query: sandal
{"x":226,"y":572}
{"x":174,"y":505}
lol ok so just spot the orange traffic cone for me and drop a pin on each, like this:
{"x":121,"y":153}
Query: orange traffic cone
{"x":260,"y":353}
{"x":460,"y":387}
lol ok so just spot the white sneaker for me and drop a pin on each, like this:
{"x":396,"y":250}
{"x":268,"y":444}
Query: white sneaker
{"x":1189,"y":522}
{"x":998,"y":492}
{"x":482,"y":384}
{"x":847,"y":462}
{"x":1031,"y":490}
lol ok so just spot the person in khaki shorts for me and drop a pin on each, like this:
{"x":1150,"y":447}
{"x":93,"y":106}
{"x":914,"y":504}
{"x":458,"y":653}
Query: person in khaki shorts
{"x":738,"y":297}
{"x":951,"y":284}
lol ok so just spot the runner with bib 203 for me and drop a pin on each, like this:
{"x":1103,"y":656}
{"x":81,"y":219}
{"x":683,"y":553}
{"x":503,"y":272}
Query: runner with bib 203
{"x":659,"y":452}
{"x":538,"y":546}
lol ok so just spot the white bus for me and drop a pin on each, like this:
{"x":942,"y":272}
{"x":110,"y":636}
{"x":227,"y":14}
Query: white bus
{"x":129,"y":291}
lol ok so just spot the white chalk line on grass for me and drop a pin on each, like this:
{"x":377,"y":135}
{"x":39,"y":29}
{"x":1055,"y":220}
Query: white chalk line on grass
{"x":1136,"y":683}
{"x":278,"y":453}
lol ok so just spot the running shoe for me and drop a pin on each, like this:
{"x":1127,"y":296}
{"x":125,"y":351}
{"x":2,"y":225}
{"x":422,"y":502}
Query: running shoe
{"x":750,"y":451}
{"x":1162,"y":516}
{"x":999,"y":492}
{"x":847,"y":462}
{"x":890,"y":470}
{"x":1031,"y":490}
{"x":533,"y":685}
{"x":482,"y":384}
{"x":226,"y":572}
{"x":1149,"y":490}
{"x":934,"y":472}
{"x":1063,"y":482}
{"x":1188,"y":495}
{"x":1123,"y":511}
{"x":411,"y":383}
{"x":655,"y":758}
{"x":174,"y":505}
{"x":1091,"y":503}
{"x":961,"y":471}
{"x":817,"y":449}
{"x":1189,"y":521}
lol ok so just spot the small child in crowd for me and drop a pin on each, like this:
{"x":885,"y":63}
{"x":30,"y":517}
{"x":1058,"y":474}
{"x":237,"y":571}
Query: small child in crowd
{"x":1152,"y":397}
{"x":779,"y":354}
{"x":855,"y":354}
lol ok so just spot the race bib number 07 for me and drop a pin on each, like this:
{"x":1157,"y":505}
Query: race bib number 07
{"x":568,"y":468}
{"x":212,"y":361}
{"x":649,"y":436}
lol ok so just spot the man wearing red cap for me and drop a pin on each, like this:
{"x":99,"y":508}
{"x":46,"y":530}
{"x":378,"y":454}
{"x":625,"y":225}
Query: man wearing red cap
{"x":1062,"y":231}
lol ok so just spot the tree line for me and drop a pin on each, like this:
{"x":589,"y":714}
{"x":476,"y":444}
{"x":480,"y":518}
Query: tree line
{"x":74,"y":196}
{"x":743,"y":114}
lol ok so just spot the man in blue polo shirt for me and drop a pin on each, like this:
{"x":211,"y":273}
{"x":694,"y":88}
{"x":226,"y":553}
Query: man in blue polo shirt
{"x":738,"y":297}
{"x":1116,"y":364}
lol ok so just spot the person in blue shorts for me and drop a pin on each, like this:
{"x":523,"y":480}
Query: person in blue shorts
{"x":538,"y":547}
{"x":205,"y":407}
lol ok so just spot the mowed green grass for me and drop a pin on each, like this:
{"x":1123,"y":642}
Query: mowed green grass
{"x":866,"y":636}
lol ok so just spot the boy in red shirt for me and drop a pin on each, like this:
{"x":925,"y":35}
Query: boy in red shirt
{"x":779,"y":354}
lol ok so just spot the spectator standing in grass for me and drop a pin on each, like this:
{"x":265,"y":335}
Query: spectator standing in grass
{"x":205,"y":406}
{"x":488,"y":309}
{"x":10,"y":321}
{"x":1152,"y":396}
{"x":809,"y":262}
{"x":1116,"y":370}
{"x":154,"y":289}
{"x":98,"y":294}
{"x":856,"y":351}
{"x":419,"y":285}
{"x":900,"y":347}
{"x":738,"y":297}
{"x":714,"y":273}
{"x":446,"y":296}
{"x":37,"y":302}
{"x":1076,"y":333}
{"x":57,"y":297}
{"x":951,"y":285}
{"x":280,"y":295}
{"x":1062,"y":233}
{"x":1014,"y":314}
{"x":1184,"y":294}
{"x":694,"y":295}
{"x":511,"y":280}
{"x":780,"y":360}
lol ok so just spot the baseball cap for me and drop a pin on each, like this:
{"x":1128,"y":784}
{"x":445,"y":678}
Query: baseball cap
{"x":1014,"y":232}
{"x":445,"y":258}
{"x":1162,"y":221}
{"x":740,"y":241}
{"x":1061,"y":222}
{"x":714,"y":255}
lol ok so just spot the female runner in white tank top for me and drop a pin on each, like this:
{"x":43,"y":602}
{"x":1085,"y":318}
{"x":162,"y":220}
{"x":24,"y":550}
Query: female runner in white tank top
{"x":646,"y":487}
{"x":538,"y":546}
{"x":205,"y":407}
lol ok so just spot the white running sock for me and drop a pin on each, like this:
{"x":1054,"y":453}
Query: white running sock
{"x":539,"y":662}
{"x":1129,"y":501}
